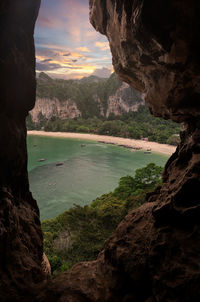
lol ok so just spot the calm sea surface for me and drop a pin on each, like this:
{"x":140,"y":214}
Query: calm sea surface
{"x":88,"y":171}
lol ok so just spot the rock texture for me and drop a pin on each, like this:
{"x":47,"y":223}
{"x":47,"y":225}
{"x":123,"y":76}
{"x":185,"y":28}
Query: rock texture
{"x":47,"y":108}
{"x":155,"y":47}
{"x":46,"y":267}
{"x":124,"y":99}
{"x":141,"y":262}
{"x":21,"y":246}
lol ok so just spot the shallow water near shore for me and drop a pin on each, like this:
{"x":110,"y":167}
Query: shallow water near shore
{"x":89,"y":169}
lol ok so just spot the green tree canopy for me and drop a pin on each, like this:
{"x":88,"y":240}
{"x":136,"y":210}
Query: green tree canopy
{"x":86,"y":228}
{"x":145,"y":179}
{"x":148,"y":177}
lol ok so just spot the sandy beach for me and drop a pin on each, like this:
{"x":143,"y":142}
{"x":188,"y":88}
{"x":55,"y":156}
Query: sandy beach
{"x":131,"y":143}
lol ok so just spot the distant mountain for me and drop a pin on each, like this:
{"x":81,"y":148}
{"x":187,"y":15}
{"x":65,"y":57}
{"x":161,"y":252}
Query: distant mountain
{"x":92,"y":79}
{"x":91,"y":96}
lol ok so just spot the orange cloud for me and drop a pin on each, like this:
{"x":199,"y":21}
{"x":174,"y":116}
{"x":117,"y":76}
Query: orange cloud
{"x":66,"y":40}
{"x":102,"y":45}
{"x":67,"y":76}
{"x":83,"y":49}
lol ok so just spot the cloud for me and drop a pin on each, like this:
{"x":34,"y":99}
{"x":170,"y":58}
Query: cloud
{"x":92,"y":34}
{"x":77,"y":20}
{"x":46,"y":60}
{"x":61,"y":58}
{"x":102,"y":72}
{"x":65,"y":40}
{"x":102,"y":45}
{"x":66,"y":76}
{"x":46,"y":67}
{"x":73,"y":67}
{"x":67,"y":54}
{"x":83,"y":49}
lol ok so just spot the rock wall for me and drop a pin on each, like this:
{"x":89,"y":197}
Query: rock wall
{"x":21,"y":247}
{"x":122,"y":101}
{"x":48,"y":108}
{"x":155,"y":48}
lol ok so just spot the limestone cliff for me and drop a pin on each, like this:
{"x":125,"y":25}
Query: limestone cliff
{"x":47,"y":108}
{"x":124,"y":100}
{"x":68,"y":99}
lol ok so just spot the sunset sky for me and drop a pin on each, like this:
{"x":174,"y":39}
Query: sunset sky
{"x":67,"y":46}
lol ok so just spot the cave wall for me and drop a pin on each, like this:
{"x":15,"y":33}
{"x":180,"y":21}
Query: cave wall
{"x":21,"y":248}
{"x":155,"y":47}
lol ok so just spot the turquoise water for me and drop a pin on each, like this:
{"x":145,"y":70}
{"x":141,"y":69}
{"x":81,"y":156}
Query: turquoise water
{"x":87,"y":172}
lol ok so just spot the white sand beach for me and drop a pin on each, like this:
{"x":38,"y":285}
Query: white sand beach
{"x":132,"y":143}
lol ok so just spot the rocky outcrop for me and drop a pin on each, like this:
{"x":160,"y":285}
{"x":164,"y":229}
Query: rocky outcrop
{"x":100,"y":106}
{"x":123,"y":101}
{"x":21,"y":247}
{"x":63,"y":242}
{"x":155,"y":49}
{"x":142,"y":261}
{"x":46,"y":267}
{"x":47,"y":108}
{"x":154,"y":255}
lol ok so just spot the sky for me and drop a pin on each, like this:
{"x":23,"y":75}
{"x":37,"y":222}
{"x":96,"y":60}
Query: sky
{"x":67,"y":46}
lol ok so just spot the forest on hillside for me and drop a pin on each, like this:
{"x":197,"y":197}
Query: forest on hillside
{"x":82,"y":91}
{"x":136,"y":125}
{"x":80,"y":233}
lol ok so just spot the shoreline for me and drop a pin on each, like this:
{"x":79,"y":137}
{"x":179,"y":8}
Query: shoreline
{"x":125,"y":142}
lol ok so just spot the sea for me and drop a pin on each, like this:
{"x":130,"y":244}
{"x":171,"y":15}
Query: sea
{"x":65,"y":172}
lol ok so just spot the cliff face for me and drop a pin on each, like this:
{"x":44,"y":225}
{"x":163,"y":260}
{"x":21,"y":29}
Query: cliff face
{"x":21,"y":246}
{"x":68,"y":99}
{"x":155,"y":49}
{"x":123,"y":101}
{"x":47,"y":108}
{"x":154,"y":255}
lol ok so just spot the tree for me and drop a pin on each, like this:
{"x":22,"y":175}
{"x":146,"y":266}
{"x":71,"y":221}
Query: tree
{"x":83,"y":129}
{"x":148,"y":177}
{"x":89,"y":226}
{"x":125,"y":187}
{"x":174,"y":140}
{"x":145,"y":179}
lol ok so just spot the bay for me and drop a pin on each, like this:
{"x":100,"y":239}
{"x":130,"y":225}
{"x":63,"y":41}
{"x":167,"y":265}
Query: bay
{"x":89,"y":170}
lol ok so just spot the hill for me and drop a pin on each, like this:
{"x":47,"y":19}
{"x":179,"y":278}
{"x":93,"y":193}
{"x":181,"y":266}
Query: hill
{"x":88,"y":97}
{"x":96,"y":105}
